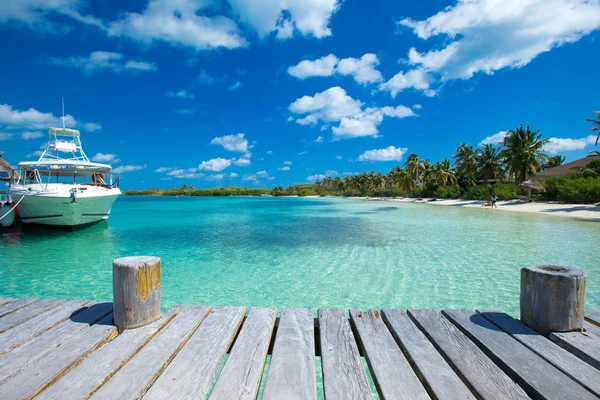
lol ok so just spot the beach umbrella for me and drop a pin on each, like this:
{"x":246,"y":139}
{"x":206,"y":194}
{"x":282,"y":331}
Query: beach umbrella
{"x":531,"y":186}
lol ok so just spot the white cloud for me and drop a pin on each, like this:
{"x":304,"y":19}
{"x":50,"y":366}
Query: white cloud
{"x":269,"y":152}
{"x":182,"y":94}
{"x":235,"y":86}
{"x":361,"y":69}
{"x":185,"y":111}
{"x":287,"y":163}
{"x":488,"y":35}
{"x":417,"y":107}
{"x":237,"y":143}
{"x":232,"y":175}
{"x":32,"y":135}
{"x":316,"y":177}
{"x":319,"y":139}
{"x":217,"y":177}
{"x":101,"y":157}
{"x":205,"y":78}
{"x":302,"y":153}
{"x":179,"y":23}
{"x":418,"y":79}
{"x":498,"y":138}
{"x":339,"y":157}
{"x":34,"y":14}
{"x":5,"y":136}
{"x":285,"y":168}
{"x":190,"y":173}
{"x":389,"y":154}
{"x":559,"y":145}
{"x":164,"y":169}
{"x":214,"y":165}
{"x":285,"y":17}
{"x":103,"y":60}
{"x":242,"y":162}
{"x":92,"y":127}
{"x":324,"y":66}
{"x":128,"y":168}
{"x":334,"y":105}
{"x":12,"y":119}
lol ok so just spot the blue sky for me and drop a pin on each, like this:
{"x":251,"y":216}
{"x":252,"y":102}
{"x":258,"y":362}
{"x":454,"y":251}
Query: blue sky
{"x":279,"y":92}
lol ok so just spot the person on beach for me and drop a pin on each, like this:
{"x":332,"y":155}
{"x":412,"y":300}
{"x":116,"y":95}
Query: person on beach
{"x":494,"y":200}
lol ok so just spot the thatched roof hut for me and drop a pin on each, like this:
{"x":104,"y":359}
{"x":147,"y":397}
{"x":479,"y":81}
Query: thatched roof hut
{"x":531,"y":186}
{"x":6,"y":171}
{"x":568,"y":168}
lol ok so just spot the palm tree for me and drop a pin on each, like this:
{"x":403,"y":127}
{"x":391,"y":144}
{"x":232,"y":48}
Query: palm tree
{"x":596,"y":125}
{"x":466,"y":164}
{"x":399,"y":177}
{"x":413,"y":164}
{"x":553,"y":161}
{"x":523,"y":152}
{"x":489,"y":162}
{"x":441,"y":174}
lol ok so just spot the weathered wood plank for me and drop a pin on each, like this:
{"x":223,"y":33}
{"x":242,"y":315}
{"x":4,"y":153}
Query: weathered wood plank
{"x":13,"y":362}
{"x":44,"y":371}
{"x":94,"y":371}
{"x":538,"y":377}
{"x":483,"y":376}
{"x":240,"y":377}
{"x":586,"y":346}
{"x":571,"y":365}
{"x":14,"y":304}
{"x":292,"y":372}
{"x":343,"y":374}
{"x":28,"y":330}
{"x":134,"y":379}
{"x":593,"y":317}
{"x":4,"y":300}
{"x":435,"y":373}
{"x":193,"y":370}
{"x":26,"y":313}
{"x":392,"y":374}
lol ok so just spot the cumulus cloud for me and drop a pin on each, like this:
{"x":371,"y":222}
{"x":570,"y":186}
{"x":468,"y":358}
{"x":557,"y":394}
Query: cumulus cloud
{"x":287,"y":163}
{"x":334,"y":105}
{"x":418,"y":79}
{"x":31,"y":135}
{"x":497,"y":138}
{"x":559,"y":145}
{"x":182,"y":94}
{"x":92,"y":127}
{"x":388,"y":154}
{"x":319,"y":139}
{"x":237,"y":143}
{"x":190,"y":173}
{"x":242,"y":162}
{"x":214,"y":165}
{"x":128,"y":168}
{"x":179,"y":23}
{"x":257,"y":176}
{"x":363,"y":69}
{"x":28,"y":120}
{"x":108,"y":158}
{"x":103,"y":60}
{"x":235,"y":86}
{"x":286,"y":17}
{"x":164,"y":169}
{"x":205,"y":78}
{"x":489,"y":35}
{"x":320,"y":177}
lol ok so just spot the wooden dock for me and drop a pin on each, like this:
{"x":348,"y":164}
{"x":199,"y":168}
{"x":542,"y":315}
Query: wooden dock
{"x":58,"y":349}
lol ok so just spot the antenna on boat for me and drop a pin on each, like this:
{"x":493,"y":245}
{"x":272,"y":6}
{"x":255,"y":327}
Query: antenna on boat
{"x":63,"y":110}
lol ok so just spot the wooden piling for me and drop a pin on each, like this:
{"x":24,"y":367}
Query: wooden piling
{"x":552,"y":298}
{"x":136,"y":291}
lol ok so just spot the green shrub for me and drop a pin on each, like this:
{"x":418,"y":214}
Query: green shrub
{"x":504,"y":191}
{"x":572,"y":189}
{"x":449,"y":192}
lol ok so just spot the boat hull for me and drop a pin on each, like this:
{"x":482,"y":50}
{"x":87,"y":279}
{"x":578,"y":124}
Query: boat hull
{"x":62,"y":210}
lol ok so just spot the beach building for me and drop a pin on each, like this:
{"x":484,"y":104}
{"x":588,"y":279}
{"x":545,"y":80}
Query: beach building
{"x":568,"y":168}
{"x":6,"y":171}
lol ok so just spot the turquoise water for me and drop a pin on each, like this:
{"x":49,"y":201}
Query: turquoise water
{"x":304,"y":253}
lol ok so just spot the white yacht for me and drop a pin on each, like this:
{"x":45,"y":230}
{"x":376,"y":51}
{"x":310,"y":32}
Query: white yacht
{"x":64,"y":188}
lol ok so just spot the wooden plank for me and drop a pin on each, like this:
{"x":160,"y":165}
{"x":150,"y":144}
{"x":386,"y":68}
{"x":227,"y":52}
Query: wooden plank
{"x":292,"y":372}
{"x":571,"y":365}
{"x":28,"y":330}
{"x":480,"y":373}
{"x":435,"y":373}
{"x":26,"y":313}
{"x":44,"y":371}
{"x":100,"y":366}
{"x":193,"y":370}
{"x":14,"y":304}
{"x":134,"y":379}
{"x":343,"y":374}
{"x":392,"y":374}
{"x":539,"y":378}
{"x":584,"y":345}
{"x":240,"y":377}
{"x":4,"y":300}
{"x":22,"y":356}
{"x":593,"y":317}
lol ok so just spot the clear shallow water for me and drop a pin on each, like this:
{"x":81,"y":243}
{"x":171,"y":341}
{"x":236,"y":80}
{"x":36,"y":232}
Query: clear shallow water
{"x":303,"y":253}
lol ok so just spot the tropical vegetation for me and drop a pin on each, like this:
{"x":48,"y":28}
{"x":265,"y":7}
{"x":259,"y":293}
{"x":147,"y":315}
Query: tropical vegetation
{"x":186,"y":190}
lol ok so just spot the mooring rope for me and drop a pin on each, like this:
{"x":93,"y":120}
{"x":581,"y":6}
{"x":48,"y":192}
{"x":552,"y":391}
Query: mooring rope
{"x":15,"y":206}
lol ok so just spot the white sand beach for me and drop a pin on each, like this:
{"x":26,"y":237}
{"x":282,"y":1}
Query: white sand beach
{"x":580,"y":211}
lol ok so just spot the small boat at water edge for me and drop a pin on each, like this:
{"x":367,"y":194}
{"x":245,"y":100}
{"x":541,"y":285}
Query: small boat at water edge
{"x":64,"y":188}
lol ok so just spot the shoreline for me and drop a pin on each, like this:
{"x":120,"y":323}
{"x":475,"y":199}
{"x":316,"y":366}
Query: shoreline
{"x":588,"y":212}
